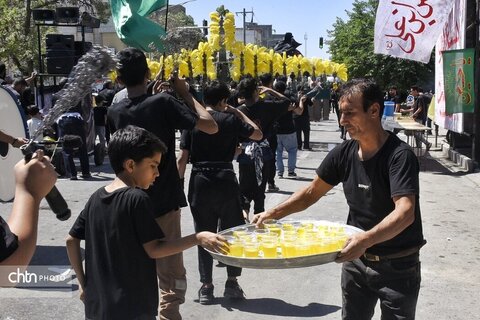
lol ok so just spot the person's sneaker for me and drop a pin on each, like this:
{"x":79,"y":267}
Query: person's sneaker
{"x":86,"y":176}
{"x":205,"y":295}
{"x":272,"y":188}
{"x":73,"y":178}
{"x":280,"y":175}
{"x":233,"y":290}
{"x":292,"y":174}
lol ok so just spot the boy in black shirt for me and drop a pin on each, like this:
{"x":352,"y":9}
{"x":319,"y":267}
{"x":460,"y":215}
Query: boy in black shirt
{"x":212,"y":174}
{"x":161,"y":114}
{"x":121,"y":237}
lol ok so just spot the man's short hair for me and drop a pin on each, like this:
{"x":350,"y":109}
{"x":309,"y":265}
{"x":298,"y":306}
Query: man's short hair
{"x":369,"y":89}
{"x":132,"y":66}
{"x":20,"y":82}
{"x":32,"y":110}
{"x":133,"y":143}
{"x":280,"y":86}
{"x":247,"y":87}
{"x":215,"y":92}
{"x":393,"y":87}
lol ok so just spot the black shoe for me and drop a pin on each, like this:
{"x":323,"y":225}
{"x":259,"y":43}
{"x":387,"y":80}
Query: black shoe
{"x":280,"y":175}
{"x":233,"y":290}
{"x":205,"y":295}
{"x":86,"y":176}
{"x":272,"y":188}
{"x":292,"y":174}
{"x":220,"y":265}
{"x":73,"y":178}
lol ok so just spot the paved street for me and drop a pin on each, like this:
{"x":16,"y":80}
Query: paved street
{"x":450,"y":260}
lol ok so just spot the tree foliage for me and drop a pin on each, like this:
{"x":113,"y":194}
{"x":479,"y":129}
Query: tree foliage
{"x":352,"y":43}
{"x":180,"y":31}
{"x":19,"y":35}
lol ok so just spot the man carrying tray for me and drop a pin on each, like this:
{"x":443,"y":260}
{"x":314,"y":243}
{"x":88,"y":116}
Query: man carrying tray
{"x":380,"y":176}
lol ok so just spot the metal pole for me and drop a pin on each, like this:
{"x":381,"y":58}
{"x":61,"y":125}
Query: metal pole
{"x":476,"y":115}
{"x":244,"y":28}
{"x":305,"y":37}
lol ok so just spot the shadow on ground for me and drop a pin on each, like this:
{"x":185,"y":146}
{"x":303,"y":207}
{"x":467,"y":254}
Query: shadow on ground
{"x":276,"y":307}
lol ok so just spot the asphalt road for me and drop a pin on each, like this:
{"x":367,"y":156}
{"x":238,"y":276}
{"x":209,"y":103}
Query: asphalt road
{"x":450,"y":260}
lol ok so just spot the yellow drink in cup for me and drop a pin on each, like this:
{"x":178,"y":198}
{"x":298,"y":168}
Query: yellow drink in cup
{"x":236,"y":249}
{"x":302,"y":248}
{"x":269,"y":247}
{"x":289,"y":249}
{"x":251,"y":249}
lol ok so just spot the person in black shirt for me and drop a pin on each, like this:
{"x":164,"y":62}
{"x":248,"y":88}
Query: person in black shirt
{"x":380,"y":177}
{"x":161,"y":114}
{"x":255,"y":157}
{"x":121,"y":236}
{"x":302,"y":121}
{"x":100,"y":119}
{"x":395,"y":98}
{"x":212,"y":174}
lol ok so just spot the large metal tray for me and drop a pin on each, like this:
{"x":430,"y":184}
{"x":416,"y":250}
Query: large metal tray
{"x":279,"y":263}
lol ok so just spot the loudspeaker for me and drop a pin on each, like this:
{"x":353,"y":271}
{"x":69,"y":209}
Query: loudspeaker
{"x":43,"y":15}
{"x":67,"y":14}
{"x":81,"y":48}
{"x":60,"y":41}
{"x":60,"y":57}
{"x":59,"y":62}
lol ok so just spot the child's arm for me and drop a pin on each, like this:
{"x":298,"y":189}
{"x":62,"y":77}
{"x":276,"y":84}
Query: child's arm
{"x":75,"y":257}
{"x":211,"y":241}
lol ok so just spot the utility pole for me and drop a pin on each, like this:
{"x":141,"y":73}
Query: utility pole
{"x":305,"y":37}
{"x":244,"y":13}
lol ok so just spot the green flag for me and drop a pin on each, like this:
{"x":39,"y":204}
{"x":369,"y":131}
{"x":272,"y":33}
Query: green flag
{"x":132,"y":25}
{"x":458,"y":71}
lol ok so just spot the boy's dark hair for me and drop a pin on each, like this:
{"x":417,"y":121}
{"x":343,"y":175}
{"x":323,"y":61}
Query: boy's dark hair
{"x":266,"y":79}
{"x":215,"y":92}
{"x":132,"y":66}
{"x":133,"y":143}
{"x":32,"y":110}
{"x":247,"y":87}
{"x":369,"y":89}
{"x":280,"y":86}
{"x":416,"y":88}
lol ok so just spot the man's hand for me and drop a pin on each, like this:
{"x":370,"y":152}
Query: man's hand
{"x":36,"y":177}
{"x":179,"y":85}
{"x":354,"y":248}
{"x":213,"y":242}
{"x":19,"y":141}
{"x":260,"y":217}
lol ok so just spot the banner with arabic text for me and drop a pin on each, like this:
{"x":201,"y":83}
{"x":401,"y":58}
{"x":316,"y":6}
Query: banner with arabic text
{"x":452,"y":37}
{"x":408,"y":29}
{"x":459,"y":70}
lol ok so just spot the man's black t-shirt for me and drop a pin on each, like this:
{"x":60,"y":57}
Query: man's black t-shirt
{"x":421,"y":102}
{"x":99,"y":114}
{"x":370,"y":185}
{"x":160,"y":114}
{"x":221,"y":145}
{"x":120,"y":278}
{"x":286,"y":124}
{"x":264,"y":113}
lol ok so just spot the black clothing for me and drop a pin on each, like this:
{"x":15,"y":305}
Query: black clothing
{"x":160,"y":114}
{"x":213,"y":175}
{"x":421,"y":102}
{"x":120,"y":277}
{"x":286,"y":124}
{"x":370,"y":185}
{"x":264,"y":113}
{"x":107,"y":95}
{"x":221,"y":146}
{"x":99,"y":114}
{"x":8,"y":240}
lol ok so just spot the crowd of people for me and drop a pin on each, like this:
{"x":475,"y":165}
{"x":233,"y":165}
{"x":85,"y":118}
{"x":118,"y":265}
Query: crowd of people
{"x":137,"y":216}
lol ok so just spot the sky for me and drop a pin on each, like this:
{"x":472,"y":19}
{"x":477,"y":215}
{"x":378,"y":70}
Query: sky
{"x":300,"y":17}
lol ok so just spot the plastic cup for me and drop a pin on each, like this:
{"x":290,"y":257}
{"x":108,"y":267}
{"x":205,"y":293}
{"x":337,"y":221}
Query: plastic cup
{"x":235,"y":246}
{"x":269,"y":247}
{"x":251,"y":249}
